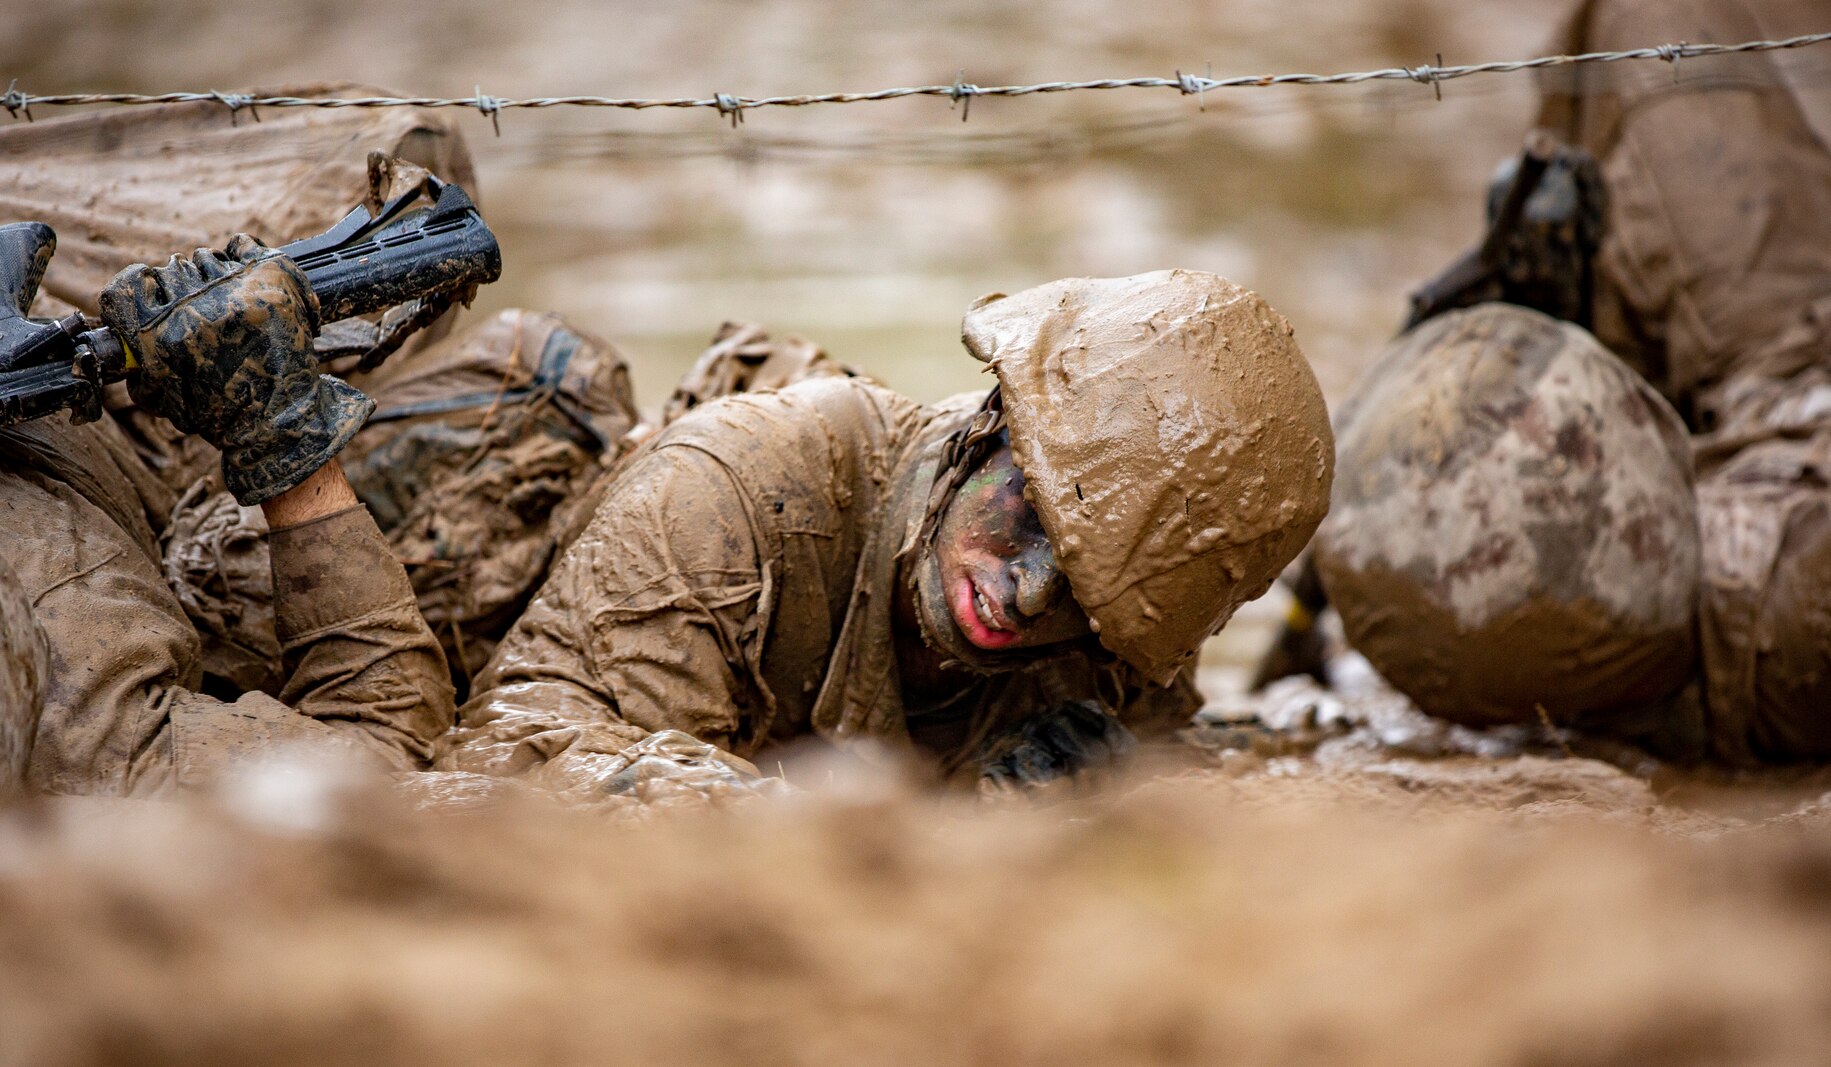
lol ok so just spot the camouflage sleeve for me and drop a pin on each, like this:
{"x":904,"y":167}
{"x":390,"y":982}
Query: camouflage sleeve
{"x":356,"y":650}
{"x":643,"y":627}
{"x":122,"y":710}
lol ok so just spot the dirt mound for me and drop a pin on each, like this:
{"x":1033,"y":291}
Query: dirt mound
{"x":1203,"y":918}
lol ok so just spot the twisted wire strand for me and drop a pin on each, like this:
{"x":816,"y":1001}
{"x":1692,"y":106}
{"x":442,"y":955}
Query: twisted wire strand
{"x":18,"y":102}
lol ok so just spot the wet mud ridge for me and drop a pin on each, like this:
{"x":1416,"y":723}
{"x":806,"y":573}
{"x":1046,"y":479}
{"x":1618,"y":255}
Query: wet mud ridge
{"x":1363,"y":743}
{"x":1338,"y":880}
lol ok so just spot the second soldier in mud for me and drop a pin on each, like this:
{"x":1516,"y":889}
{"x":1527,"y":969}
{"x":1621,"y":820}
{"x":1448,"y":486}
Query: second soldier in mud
{"x":1620,"y":522}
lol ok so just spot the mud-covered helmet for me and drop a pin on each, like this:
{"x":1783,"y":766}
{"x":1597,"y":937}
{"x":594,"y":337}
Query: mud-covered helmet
{"x":1514,"y":532}
{"x":1174,"y":444}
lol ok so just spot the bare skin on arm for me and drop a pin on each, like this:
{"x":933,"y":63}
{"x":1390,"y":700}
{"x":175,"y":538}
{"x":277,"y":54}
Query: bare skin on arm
{"x":325,"y":492}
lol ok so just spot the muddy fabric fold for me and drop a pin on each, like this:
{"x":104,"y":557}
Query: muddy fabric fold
{"x":1718,"y":265}
{"x":743,"y":358}
{"x":478,"y":456}
{"x":743,"y":523}
{"x":24,"y":666}
{"x":123,"y":711}
{"x":1765,"y":607}
{"x":1718,"y":236}
{"x":355,"y":648}
{"x":216,"y":559}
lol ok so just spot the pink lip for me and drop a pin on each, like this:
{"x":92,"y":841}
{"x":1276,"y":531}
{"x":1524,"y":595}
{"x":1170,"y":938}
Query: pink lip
{"x":966,"y":617}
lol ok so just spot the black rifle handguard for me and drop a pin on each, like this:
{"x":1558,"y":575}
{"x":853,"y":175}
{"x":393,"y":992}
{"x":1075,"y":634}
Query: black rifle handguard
{"x":363,"y":264}
{"x":428,"y":245}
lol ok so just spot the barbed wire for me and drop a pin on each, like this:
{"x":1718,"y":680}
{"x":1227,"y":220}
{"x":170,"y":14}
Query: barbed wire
{"x":961,"y":93}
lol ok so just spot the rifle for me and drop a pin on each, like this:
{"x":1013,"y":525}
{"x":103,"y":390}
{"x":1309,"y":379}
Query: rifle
{"x":427,"y":248}
{"x":1545,"y":213}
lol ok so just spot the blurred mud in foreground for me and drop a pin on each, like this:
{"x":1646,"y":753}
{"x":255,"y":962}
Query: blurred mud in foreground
{"x":1559,"y":916}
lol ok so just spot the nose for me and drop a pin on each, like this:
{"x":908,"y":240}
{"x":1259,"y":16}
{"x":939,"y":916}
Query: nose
{"x":1039,"y":583}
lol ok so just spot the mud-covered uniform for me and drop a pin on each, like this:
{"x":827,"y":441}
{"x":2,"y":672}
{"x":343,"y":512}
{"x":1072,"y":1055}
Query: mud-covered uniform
{"x":1715,"y":283}
{"x":1516,"y":526}
{"x":24,"y":667}
{"x":478,"y":441}
{"x":122,"y":708}
{"x":737,"y":582}
{"x":479,"y":451}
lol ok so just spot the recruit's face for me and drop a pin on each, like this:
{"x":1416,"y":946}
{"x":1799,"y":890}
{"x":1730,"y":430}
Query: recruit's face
{"x":997,"y":568}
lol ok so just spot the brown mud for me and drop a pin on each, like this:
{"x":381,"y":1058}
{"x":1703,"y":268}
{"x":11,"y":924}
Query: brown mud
{"x":1443,"y":909}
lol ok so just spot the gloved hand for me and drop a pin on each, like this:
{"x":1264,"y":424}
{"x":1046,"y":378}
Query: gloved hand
{"x":1075,"y":737}
{"x":224,"y":343}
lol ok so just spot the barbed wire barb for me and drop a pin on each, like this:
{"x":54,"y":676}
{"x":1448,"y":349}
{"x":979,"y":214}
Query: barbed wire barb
{"x":1196,"y":87}
{"x":235,"y":102}
{"x":963,"y":91}
{"x":491,"y":106}
{"x":17,"y":101}
{"x":729,"y":105}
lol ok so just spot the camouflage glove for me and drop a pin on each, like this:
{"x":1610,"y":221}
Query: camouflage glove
{"x":1075,"y":737}
{"x":224,"y":343}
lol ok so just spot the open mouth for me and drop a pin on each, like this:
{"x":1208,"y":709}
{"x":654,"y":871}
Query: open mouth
{"x":977,"y":618}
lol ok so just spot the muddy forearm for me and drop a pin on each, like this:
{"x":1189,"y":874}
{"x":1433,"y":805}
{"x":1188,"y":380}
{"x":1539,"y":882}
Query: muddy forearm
{"x":542,"y":710}
{"x":633,"y":633}
{"x":356,"y":648}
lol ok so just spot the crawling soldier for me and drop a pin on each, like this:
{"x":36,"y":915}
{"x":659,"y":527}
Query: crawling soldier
{"x":1002,"y":582}
{"x":224,"y":341}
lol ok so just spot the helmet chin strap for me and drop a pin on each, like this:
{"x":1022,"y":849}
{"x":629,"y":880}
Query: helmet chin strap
{"x":961,"y":454}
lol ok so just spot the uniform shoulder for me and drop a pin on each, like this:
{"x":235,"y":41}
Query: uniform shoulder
{"x":836,"y":395}
{"x":99,"y":470}
{"x":847,"y":411}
